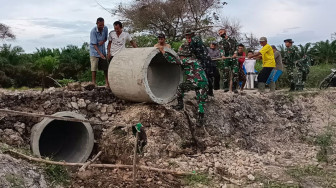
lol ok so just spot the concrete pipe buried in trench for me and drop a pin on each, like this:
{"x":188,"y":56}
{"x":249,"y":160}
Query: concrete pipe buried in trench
{"x":144,"y":75}
{"x":63,"y":140}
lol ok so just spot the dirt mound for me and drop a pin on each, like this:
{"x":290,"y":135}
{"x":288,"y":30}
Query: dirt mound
{"x":244,"y":135}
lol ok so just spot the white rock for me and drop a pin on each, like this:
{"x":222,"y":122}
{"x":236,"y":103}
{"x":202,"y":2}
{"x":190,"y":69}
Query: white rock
{"x":251,"y":177}
{"x":46,"y":104}
{"x":81,"y":103}
{"x":74,"y":105}
{"x":104,"y":117}
{"x":217,"y":164}
{"x":110,"y":109}
{"x":103,"y":109}
{"x":73,"y":99}
{"x":20,"y":127}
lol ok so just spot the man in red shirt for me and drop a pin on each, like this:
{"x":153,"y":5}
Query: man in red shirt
{"x":240,"y":54}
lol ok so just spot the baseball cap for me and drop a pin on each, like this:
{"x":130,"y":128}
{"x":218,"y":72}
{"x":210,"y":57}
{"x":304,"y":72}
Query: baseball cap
{"x":262,"y":39}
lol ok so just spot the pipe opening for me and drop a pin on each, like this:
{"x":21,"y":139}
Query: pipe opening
{"x":163,"y":77}
{"x":64,"y":141}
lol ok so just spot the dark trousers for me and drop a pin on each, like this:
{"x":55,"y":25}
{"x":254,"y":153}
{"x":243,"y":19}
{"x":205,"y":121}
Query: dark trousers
{"x":210,"y":84}
{"x":213,"y":81}
{"x":264,"y":74}
{"x":216,"y":79}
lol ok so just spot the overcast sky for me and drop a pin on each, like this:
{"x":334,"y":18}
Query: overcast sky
{"x":57,"y":23}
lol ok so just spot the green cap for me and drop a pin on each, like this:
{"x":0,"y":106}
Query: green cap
{"x":289,"y":40}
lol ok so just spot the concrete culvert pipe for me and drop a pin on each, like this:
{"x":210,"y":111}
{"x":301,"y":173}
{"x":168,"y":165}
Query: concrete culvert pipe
{"x":63,"y":140}
{"x":144,"y":75}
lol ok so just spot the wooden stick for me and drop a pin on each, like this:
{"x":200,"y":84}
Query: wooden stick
{"x":49,"y":116}
{"x":135,"y":158}
{"x":13,"y":112}
{"x":90,"y":162}
{"x":54,"y":81}
{"x":40,"y":160}
{"x":216,"y":59}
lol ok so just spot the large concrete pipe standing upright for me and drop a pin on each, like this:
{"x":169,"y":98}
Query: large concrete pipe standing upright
{"x":144,"y":75}
{"x":62,"y":140}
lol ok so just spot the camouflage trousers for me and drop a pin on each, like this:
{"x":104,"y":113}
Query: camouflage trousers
{"x":201,"y":89}
{"x":298,"y":76}
{"x":230,"y":68}
{"x":303,"y":72}
{"x":291,"y":75}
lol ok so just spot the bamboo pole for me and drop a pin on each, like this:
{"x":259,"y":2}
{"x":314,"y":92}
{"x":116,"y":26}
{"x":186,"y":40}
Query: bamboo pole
{"x":135,"y":158}
{"x":40,"y":160}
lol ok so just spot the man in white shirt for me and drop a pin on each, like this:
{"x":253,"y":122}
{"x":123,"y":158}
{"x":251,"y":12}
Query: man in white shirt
{"x":117,"y":40}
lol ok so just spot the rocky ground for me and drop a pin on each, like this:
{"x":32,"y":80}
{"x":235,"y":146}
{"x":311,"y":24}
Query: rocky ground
{"x":270,"y":140}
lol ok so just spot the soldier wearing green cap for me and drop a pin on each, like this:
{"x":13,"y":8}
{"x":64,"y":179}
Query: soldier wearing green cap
{"x":196,"y":78}
{"x":290,"y":58}
{"x":230,"y":65}
{"x":200,"y":52}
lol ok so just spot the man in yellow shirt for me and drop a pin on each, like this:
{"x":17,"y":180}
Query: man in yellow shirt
{"x":268,"y":61}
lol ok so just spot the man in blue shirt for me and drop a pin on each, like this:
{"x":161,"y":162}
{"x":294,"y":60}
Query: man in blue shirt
{"x":98,"y":37}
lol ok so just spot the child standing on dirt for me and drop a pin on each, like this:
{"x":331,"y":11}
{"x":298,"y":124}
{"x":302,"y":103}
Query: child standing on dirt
{"x":250,"y":73}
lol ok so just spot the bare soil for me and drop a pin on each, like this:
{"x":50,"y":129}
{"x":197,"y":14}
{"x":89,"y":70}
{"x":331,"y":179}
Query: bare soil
{"x":256,"y":140}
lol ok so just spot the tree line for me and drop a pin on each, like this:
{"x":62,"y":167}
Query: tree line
{"x":72,"y":63}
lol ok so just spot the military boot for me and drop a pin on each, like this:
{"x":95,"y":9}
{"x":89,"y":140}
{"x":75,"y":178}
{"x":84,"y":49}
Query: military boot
{"x":292,"y":87}
{"x":200,"y":118}
{"x":234,"y":88}
{"x":261,"y":87}
{"x":299,"y":87}
{"x":179,"y":105}
{"x":272,"y":86}
{"x":226,"y":87}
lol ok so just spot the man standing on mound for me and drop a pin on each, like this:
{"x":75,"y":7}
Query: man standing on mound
{"x":268,"y":64}
{"x":195,"y":78}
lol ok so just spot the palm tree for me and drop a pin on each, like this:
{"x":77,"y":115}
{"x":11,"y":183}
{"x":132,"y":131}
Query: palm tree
{"x":324,"y":52}
{"x":11,"y":55}
{"x":281,"y":49}
{"x":304,"y":50}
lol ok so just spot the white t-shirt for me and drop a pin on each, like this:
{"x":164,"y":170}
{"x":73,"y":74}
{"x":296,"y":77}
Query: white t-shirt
{"x":249,"y":64}
{"x":118,"y":43}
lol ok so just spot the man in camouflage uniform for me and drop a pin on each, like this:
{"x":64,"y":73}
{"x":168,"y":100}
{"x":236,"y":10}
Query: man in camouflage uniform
{"x":200,"y":51}
{"x":290,"y":59}
{"x":230,"y":65}
{"x":303,"y":71}
{"x":195,"y":78}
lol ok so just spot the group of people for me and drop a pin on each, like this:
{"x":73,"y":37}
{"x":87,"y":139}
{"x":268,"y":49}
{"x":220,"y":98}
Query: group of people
{"x":202,"y":65}
{"x":117,"y":40}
